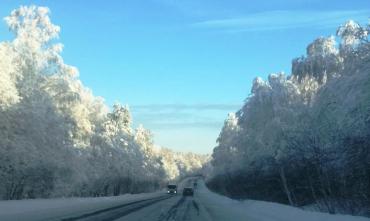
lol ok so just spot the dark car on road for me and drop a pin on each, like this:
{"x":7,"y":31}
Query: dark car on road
{"x":172,"y":189}
{"x":188,"y":191}
{"x":195,"y":184}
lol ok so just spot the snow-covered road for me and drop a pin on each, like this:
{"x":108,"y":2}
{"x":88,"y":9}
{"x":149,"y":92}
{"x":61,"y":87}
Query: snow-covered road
{"x":209,"y":206}
{"x":203,"y":206}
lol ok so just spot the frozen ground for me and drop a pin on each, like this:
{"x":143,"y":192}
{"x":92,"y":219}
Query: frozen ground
{"x":205,"y":205}
{"x":56,"y":209}
{"x":223,"y":208}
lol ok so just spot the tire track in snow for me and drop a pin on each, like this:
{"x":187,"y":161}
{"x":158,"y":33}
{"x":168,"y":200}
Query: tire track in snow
{"x":195,"y":204}
{"x":113,"y":213}
{"x":171,"y":214}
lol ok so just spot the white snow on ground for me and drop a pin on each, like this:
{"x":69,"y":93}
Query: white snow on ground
{"x":223,"y":208}
{"x":212,"y":207}
{"x":55,"y":209}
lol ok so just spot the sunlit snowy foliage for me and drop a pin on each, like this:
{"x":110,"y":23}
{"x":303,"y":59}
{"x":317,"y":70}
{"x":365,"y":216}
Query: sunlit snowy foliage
{"x":56,"y":137}
{"x":304,"y":138}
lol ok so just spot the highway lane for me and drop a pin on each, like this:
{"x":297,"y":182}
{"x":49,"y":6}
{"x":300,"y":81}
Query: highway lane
{"x":113,"y":213}
{"x":163,"y":208}
{"x":177,"y":208}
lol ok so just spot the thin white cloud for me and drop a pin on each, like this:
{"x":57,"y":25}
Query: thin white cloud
{"x":280,"y":20}
{"x":201,"y":107}
{"x":169,"y":116}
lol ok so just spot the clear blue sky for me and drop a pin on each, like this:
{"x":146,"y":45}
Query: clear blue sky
{"x":183,"y":65}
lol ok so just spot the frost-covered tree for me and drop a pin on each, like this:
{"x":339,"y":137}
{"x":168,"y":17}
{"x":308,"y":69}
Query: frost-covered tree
{"x":171,"y":169}
{"x":8,"y":77}
{"x":352,"y":34}
{"x":323,"y":61}
{"x":303,"y":138}
{"x":56,"y":137}
{"x":225,"y":154}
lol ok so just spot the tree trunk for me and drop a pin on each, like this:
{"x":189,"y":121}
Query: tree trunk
{"x":285,"y":185}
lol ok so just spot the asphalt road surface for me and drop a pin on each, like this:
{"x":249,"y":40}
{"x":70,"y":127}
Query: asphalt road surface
{"x":168,"y":207}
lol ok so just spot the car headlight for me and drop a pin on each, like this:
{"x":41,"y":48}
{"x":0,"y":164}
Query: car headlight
{"x":175,"y":191}
{"x":168,"y":191}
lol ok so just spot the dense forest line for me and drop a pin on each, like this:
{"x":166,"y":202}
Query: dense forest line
{"x":57,"y":138}
{"x":304,"y":138}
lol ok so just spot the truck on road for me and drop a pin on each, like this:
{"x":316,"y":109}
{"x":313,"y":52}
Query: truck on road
{"x":172,"y":189}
